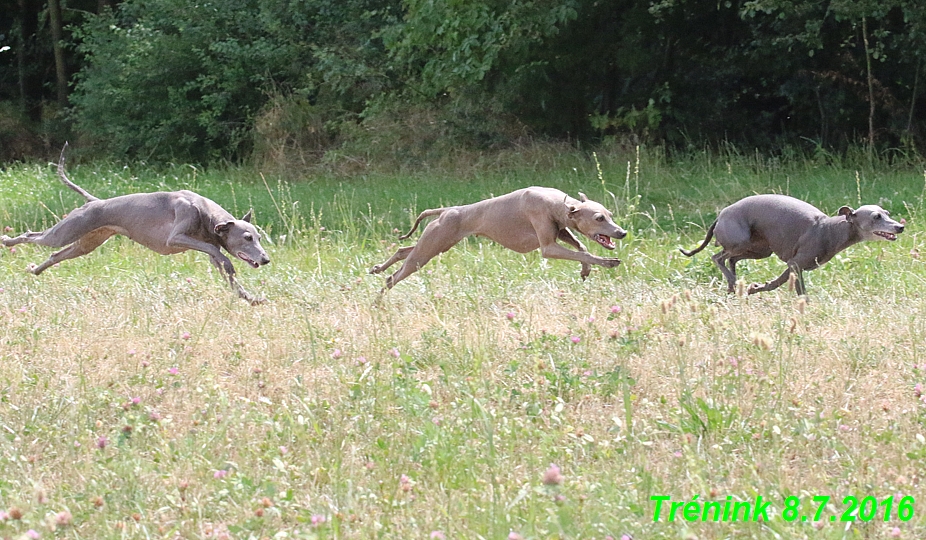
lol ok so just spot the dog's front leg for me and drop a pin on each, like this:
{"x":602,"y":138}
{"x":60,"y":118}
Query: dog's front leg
{"x":225,"y":266}
{"x":566,"y":236}
{"x":556,"y":251}
{"x":219,"y":260}
{"x":771,"y":285}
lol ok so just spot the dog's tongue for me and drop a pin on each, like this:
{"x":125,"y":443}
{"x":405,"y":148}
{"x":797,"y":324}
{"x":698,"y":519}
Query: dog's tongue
{"x":605,"y":240}
{"x":248,"y":260}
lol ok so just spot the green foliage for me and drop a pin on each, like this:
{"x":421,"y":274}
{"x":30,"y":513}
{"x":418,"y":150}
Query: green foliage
{"x":453,"y":61}
{"x":599,"y":66}
{"x":640,"y":124}
{"x":445,"y":45}
{"x":297,"y":82}
{"x":292,"y":83}
{"x":185,"y":80}
{"x":821,"y":54}
{"x":172,"y":78}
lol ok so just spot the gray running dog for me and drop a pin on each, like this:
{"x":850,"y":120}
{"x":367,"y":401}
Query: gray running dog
{"x":164,"y":222}
{"x":799,"y":233}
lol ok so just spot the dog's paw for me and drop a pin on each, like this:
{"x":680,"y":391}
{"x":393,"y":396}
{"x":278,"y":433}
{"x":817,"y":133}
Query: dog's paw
{"x":249,"y":298}
{"x":376,"y":269}
{"x":253,"y":300}
{"x":755,"y":288}
{"x":4,"y":239}
{"x":611,"y":262}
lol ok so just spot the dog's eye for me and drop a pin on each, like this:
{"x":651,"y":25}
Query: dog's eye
{"x":877,"y":217}
{"x":248,"y":237}
{"x":599,"y":218}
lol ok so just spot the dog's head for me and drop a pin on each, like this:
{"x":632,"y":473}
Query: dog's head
{"x":242,"y":240}
{"x":872,"y":222}
{"x":594,"y":221}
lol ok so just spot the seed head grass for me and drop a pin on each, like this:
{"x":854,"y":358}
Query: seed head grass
{"x":491,"y":394}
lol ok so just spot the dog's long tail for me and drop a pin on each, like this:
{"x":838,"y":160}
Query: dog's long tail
{"x":425,"y":214}
{"x":70,"y":184}
{"x":710,"y":234}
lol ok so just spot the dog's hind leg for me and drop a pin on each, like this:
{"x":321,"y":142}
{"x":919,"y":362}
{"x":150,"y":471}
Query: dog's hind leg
{"x":400,"y":255}
{"x":720,"y":259}
{"x":78,"y":224}
{"x":82,"y":246}
{"x":24,"y":238}
{"x":439,"y":236}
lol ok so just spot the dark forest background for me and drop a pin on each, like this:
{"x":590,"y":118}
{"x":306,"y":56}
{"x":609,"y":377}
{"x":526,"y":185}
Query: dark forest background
{"x":300,"y":81}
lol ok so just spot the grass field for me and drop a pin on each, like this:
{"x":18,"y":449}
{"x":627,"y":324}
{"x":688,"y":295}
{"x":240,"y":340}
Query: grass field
{"x":491,"y":395}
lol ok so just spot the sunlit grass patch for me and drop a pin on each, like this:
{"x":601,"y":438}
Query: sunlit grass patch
{"x":140,"y":397}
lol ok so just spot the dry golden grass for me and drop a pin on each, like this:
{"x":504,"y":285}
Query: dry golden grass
{"x":141,"y":397}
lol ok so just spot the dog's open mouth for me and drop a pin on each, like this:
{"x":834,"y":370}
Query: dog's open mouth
{"x":241,"y":255}
{"x":886,"y":235}
{"x":604,"y":240}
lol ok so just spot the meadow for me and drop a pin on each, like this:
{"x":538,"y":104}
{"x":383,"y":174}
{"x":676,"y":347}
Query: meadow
{"x":491,"y":395}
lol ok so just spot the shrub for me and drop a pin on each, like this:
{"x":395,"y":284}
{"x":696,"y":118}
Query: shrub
{"x":19,"y":138}
{"x":178,"y":79}
{"x":292,"y":133}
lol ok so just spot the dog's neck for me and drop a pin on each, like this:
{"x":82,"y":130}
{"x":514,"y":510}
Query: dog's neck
{"x":840,"y":232}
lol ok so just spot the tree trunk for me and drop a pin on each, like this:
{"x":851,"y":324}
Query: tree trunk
{"x":57,"y":37}
{"x":871,"y":89}
{"x":29,"y":78}
{"x":916,"y":81}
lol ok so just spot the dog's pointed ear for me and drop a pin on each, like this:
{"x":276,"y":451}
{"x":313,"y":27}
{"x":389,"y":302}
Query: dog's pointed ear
{"x":582,"y":197}
{"x":846,"y":211}
{"x":247,"y":217}
{"x":222,"y":228}
{"x":571,"y":209}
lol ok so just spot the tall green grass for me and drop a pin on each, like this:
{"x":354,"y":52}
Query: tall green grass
{"x":663,"y":192}
{"x":139,"y":398}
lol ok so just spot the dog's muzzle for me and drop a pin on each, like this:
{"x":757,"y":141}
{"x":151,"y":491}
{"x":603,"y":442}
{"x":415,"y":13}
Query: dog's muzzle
{"x":254,"y":264}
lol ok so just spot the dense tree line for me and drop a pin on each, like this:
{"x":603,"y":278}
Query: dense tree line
{"x":181,"y":79}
